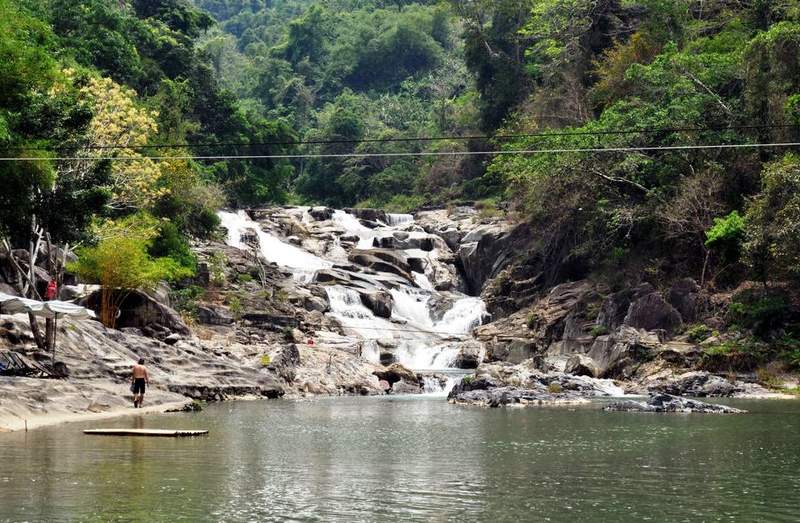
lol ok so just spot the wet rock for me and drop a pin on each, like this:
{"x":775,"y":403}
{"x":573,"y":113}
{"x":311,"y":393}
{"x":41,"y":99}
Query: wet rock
{"x":405,"y":387}
{"x":379,"y":302}
{"x":387,"y":358}
{"x":581,"y":365}
{"x":651,"y":312}
{"x":334,"y":276}
{"x":396,"y":372}
{"x":321,"y":213}
{"x":382,"y":260}
{"x":668,"y":403}
{"x":513,"y":396}
{"x":315,"y":303}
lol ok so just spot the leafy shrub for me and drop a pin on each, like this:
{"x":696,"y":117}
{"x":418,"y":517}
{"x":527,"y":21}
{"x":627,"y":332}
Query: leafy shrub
{"x":698,"y":332}
{"x":761,"y":311}
{"x":599,"y":330}
{"x":265,"y":360}
{"x":185,"y":300}
{"x":235,"y":306}
{"x":554,"y":388}
{"x":729,"y":229}
{"x":487,"y":208}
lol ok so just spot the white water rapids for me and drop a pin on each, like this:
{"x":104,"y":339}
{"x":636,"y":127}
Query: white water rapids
{"x":416,"y":339}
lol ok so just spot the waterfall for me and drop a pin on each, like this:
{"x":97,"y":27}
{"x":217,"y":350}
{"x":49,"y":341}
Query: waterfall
{"x":466,"y":314}
{"x":411,"y":334}
{"x":353,"y":227}
{"x":303,"y":263}
{"x":398,"y":219}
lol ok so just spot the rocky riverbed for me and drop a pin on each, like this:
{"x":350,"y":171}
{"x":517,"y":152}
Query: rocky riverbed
{"x":305,"y":301}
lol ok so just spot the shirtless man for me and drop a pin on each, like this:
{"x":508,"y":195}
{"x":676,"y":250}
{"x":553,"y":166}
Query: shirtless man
{"x":139,"y":378}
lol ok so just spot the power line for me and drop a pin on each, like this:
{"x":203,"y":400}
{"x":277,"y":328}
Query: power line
{"x":411,"y":154}
{"x":501,"y":137}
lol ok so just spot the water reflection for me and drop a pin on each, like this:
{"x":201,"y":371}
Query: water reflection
{"x":357,"y":459}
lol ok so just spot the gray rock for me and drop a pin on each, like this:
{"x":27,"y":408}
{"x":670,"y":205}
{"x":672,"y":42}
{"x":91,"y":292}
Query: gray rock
{"x":668,"y":403}
{"x":405,"y":387}
{"x":142,"y":311}
{"x":379,"y":302}
{"x":321,"y":213}
{"x":371,"y":215}
{"x":396,"y":372}
{"x":688,"y":299}
{"x":469,"y":357}
{"x":651,"y":312}
{"x":213,"y":315}
{"x":615,"y":307}
{"x":581,"y":365}
{"x":285,"y":361}
{"x":699,"y":384}
{"x":172,"y":339}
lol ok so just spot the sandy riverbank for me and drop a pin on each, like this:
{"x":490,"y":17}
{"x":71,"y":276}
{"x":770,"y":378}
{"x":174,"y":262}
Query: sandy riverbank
{"x":44,"y":420}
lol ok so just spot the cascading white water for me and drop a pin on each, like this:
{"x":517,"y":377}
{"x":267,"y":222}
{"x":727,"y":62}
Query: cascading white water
{"x":398,"y":219}
{"x":419,"y":342}
{"x":353,"y":227}
{"x":465,"y":314}
{"x":303,"y":263}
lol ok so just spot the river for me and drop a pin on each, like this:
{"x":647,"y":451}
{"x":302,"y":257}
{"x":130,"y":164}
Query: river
{"x":412,"y":459}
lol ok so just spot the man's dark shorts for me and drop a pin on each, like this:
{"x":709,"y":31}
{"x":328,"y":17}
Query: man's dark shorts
{"x":138,"y":386}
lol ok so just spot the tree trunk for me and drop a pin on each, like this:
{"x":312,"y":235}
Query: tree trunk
{"x":37,"y":333}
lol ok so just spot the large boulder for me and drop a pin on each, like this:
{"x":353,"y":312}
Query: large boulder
{"x":581,"y":365}
{"x":615,"y":307}
{"x":379,"y":302}
{"x":404,"y":387}
{"x":321,"y":213}
{"x":396,"y":372}
{"x":699,"y":384}
{"x":488,"y":249}
{"x":210,"y":314}
{"x":615,"y":354}
{"x":652,"y":312}
{"x":688,"y":299}
{"x":141,"y":311}
{"x":469,"y":356}
{"x":513,"y":350}
{"x":382,"y":260}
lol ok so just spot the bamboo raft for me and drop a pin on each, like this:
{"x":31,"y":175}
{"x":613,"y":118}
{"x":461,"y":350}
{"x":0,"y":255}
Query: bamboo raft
{"x":158,"y":433}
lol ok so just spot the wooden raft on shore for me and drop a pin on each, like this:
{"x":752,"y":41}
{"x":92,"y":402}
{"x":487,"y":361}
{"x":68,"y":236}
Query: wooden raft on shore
{"x":159,"y":433}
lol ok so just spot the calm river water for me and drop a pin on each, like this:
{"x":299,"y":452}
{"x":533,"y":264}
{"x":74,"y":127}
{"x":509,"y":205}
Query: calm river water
{"x":412,"y":459}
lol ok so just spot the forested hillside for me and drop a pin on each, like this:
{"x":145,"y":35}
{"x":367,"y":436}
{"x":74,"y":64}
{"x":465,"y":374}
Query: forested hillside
{"x":102,"y":80}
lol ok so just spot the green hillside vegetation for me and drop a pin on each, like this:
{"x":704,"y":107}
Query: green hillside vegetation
{"x":78,"y":77}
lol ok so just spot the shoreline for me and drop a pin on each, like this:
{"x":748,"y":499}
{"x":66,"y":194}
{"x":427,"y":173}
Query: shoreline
{"x":39,"y":421}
